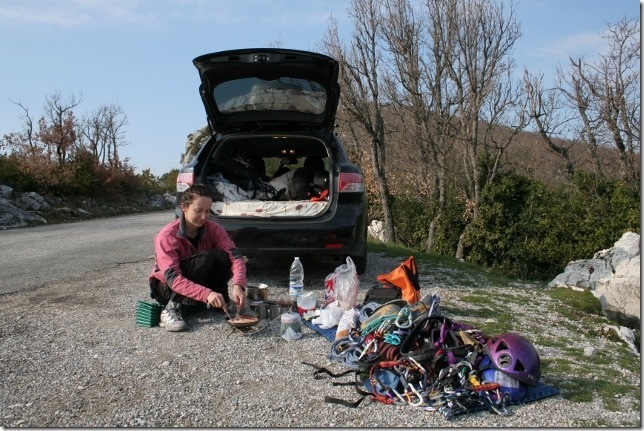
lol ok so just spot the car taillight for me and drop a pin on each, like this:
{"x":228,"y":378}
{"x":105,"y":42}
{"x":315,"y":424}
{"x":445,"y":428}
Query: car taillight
{"x":334,"y":246}
{"x":185,"y":180}
{"x":350,"y":182}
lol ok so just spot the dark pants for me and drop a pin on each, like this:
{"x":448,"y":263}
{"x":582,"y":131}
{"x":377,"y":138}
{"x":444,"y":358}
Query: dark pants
{"x":211,"y":269}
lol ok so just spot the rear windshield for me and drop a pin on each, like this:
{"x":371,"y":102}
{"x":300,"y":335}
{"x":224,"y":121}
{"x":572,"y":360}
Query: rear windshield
{"x":281,"y":94}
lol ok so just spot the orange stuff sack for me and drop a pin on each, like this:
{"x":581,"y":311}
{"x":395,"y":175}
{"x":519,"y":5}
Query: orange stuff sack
{"x":405,"y":277}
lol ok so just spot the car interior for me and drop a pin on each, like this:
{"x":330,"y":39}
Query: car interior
{"x":265,"y":176}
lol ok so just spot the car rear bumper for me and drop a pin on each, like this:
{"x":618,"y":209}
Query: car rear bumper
{"x":339,"y":235}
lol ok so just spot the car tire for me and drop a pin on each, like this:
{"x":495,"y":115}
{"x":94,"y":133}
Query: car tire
{"x":360,"y":262}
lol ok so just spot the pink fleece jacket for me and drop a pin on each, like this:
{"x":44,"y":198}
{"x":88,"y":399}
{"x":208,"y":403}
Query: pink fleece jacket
{"x":171,"y":246}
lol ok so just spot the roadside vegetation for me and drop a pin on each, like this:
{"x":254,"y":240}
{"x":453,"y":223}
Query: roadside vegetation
{"x":67,"y":155}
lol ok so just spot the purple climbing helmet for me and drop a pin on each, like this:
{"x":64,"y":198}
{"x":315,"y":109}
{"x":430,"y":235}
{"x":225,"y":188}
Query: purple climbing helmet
{"x":515,"y":356}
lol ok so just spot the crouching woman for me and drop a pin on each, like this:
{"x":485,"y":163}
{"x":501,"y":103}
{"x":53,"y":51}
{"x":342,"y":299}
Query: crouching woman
{"x":194,"y":261}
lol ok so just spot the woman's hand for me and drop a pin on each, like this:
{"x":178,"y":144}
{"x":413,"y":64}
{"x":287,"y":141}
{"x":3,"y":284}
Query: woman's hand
{"x":239,"y":296}
{"x":217,"y":300}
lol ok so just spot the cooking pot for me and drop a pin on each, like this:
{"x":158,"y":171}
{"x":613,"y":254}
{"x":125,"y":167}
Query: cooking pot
{"x":257,"y":293}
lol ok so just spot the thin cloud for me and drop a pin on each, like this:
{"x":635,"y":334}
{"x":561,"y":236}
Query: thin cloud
{"x":155,"y":13}
{"x":28,"y":13}
{"x":546,"y":57}
{"x":74,"y":13}
{"x":580,"y":44}
{"x":253,"y":12}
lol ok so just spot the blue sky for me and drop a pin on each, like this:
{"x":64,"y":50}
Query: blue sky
{"x":138,"y":53}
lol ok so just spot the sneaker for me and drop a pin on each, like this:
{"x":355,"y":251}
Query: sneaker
{"x":171,"y":318}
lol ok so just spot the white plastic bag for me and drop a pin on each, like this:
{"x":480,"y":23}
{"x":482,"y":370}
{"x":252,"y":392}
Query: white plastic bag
{"x":228,"y":191}
{"x":281,"y":183}
{"x":342,"y":285}
{"x":329,"y":316}
{"x":347,"y":323}
{"x":306,"y":302}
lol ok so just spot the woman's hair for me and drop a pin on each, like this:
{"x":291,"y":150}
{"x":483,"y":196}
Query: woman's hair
{"x":193,"y":192}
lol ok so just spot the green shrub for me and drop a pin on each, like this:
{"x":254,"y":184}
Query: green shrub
{"x":168,"y":181}
{"x":83,"y":180}
{"x":449,"y":228}
{"x":411,"y":221}
{"x":149,"y":182}
{"x":531,"y":231}
{"x":612,"y":208}
{"x":14,"y":174}
{"x":493,"y":236}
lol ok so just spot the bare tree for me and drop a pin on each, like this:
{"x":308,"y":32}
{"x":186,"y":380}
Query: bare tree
{"x":445,"y":68}
{"x":93,"y":134}
{"x":579,"y":97}
{"x":116,"y":120}
{"x":504,"y":116}
{"x":420,"y":87}
{"x":57,"y":127}
{"x":480,"y":63}
{"x":620,"y":74}
{"x":25,"y":141}
{"x":102,"y":133}
{"x":545,"y":110}
{"x":607,"y":98}
{"x":596,"y":104}
{"x":277,"y":43}
{"x":362,"y":97}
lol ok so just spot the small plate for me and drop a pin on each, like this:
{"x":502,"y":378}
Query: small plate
{"x":243,"y":321}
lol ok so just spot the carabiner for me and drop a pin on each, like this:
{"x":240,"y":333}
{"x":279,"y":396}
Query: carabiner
{"x":492,"y":406}
{"x":384,"y":326}
{"x":435,"y":301}
{"x":416,"y":364}
{"x":398,"y":395}
{"x":420,"y":401}
{"x":392,"y":339}
{"x":366,"y":348}
{"x":406,"y":324}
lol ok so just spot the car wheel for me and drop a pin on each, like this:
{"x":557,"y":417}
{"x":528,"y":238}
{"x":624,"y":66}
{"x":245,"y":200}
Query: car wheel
{"x":360,"y":262}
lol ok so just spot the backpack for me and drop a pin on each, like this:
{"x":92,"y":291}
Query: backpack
{"x":405,"y":277}
{"x":305,"y":184}
{"x":300,"y":185}
{"x":241,"y":171}
{"x":382,"y":293}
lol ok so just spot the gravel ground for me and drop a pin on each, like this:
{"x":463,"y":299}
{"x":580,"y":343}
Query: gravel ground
{"x":72,"y":356}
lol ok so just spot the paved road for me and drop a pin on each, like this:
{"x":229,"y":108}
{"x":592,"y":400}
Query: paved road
{"x":33,"y":257}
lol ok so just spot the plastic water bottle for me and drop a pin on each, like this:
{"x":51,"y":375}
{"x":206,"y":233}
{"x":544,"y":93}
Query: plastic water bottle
{"x":296,"y":279}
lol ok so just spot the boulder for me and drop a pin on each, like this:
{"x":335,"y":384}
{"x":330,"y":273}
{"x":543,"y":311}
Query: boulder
{"x":32,"y":201}
{"x":156,"y":201}
{"x":30,"y":208}
{"x":625,"y":334}
{"x":14,"y":216}
{"x":170,"y":199}
{"x":376,"y":230}
{"x":613,"y":276}
{"x":5,"y":191}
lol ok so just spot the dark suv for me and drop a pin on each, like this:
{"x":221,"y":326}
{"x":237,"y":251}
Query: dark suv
{"x":280,"y":180}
